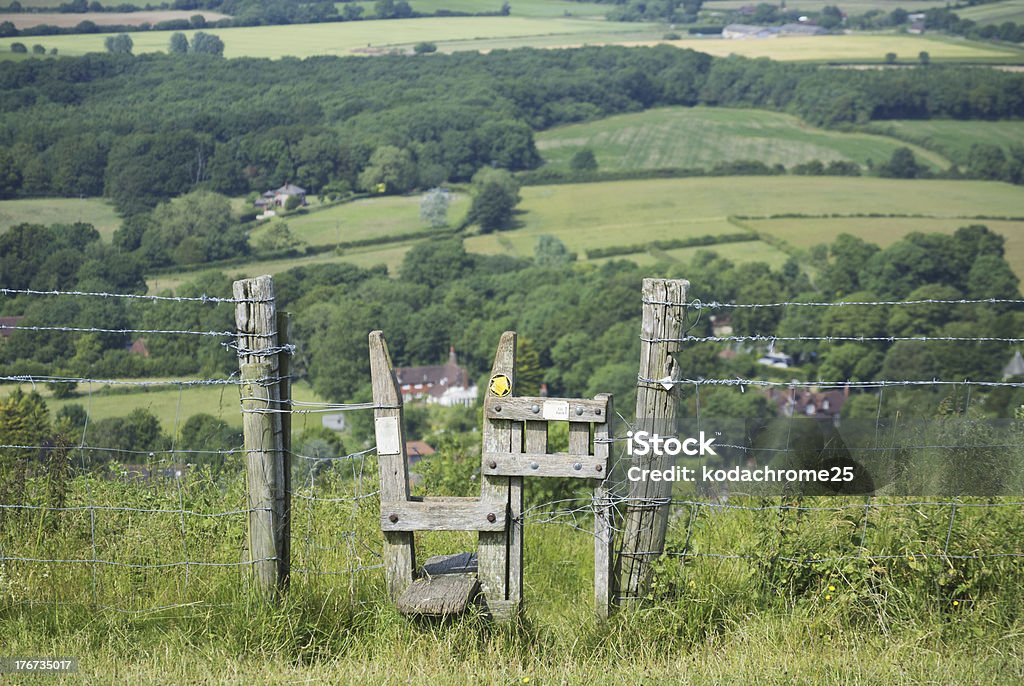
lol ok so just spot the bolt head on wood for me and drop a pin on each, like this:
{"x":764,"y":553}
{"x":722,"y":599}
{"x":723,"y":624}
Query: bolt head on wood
{"x":577,"y":466}
{"x":579,"y":410}
{"x":491,"y":517}
{"x":597,"y":412}
{"x":534,"y":465}
{"x":497,"y":408}
{"x":599,"y":468}
{"x":393,"y":518}
{"x":535,"y":409}
{"x":491,"y":464}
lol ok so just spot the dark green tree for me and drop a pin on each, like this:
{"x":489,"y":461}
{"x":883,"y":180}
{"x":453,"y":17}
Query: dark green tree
{"x":495,"y":195}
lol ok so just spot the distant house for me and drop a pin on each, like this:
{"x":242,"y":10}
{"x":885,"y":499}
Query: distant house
{"x":1015,"y":367}
{"x":7,"y":326}
{"x":417,"y":450}
{"x":446,"y":384}
{"x":743,"y":31}
{"x":809,"y":403}
{"x":280,"y":196}
{"x":801,"y":30}
{"x":916,"y":27}
{"x":139,"y":347}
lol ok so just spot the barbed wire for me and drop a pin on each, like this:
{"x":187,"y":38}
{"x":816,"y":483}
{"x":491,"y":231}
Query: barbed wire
{"x":765,"y":338}
{"x":698,"y":304}
{"x":92,"y":329}
{"x":133,"y":296}
{"x":880,"y":383}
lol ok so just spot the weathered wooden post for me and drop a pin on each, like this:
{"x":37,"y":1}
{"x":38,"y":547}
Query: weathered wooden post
{"x":256,"y":321}
{"x":647,"y":508}
{"x":399,"y":550}
{"x":500,"y":553}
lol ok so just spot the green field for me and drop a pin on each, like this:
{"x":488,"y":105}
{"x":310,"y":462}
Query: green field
{"x":620,"y":213}
{"x":701,"y":136}
{"x":628,"y":212}
{"x":362,"y":219}
{"x":865,"y":48}
{"x":849,"y":6}
{"x":306,"y":40}
{"x":954,"y":138}
{"x":803,"y":233}
{"x":750,"y":251}
{"x":520,"y":8}
{"x":995,"y":12}
{"x":171,"y":404}
{"x":95,"y":211}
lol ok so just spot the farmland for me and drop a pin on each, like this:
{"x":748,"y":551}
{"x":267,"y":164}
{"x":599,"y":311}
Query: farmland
{"x":453,"y":34}
{"x":700,"y":137}
{"x":521,"y":8}
{"x":954,"y":138}
{"x":95,"y":211}
{"x":621,"y":213}
{"x":364,"y":219}
{"x":858,"y":48}
{"x":995,"y":13}
{"x":23,"y":20}
{"x":348,"y":38}
{"x":849,"y":6}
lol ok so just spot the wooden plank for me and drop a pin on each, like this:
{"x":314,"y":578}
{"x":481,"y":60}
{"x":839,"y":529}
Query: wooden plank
{"x":439,"y":596}
{"x":546,"y":465}
{"x":458,"y":563}
{"x":399,"y":553}
{"x":497,"y":437}
{"x":448,"y":514}
{"x":284,"y":368}
{"x":646,"y":518}
{"x":258,"y":431}
{"x":604,"y":523}
{"x":537,"y":409}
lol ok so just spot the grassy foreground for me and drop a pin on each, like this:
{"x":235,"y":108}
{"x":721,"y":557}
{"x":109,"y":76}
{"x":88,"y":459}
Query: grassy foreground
{"x":910,"y":615}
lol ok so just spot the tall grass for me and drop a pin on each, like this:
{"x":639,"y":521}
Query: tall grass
{"x":773,"y":591}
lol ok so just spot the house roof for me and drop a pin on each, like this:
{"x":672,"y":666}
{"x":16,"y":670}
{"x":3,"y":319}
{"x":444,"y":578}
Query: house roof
{"x":7,"y":325}
{"x":435,"y":379}
{"x":1015,"y":367}
{"x":290,"y":189}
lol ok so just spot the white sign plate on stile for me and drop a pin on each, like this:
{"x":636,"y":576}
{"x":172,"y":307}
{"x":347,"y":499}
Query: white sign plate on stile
{"x":556,"y":409}
{"x":386,"y":429}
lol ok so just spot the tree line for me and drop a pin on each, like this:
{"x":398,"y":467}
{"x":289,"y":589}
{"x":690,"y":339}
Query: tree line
{"x":243,"y":125}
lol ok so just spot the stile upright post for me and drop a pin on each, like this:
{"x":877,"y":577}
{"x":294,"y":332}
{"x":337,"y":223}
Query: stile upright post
{"x":399,"y":548}
{"x":256,"y":321}
{"x":647,"y":509}
{"x":500,"y":554}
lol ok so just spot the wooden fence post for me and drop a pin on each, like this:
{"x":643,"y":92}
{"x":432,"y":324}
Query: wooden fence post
{"x":389,"y":428}
{"x":604,"y":525}
{"x":256,"y":321}
{"x":647,"y":509}
{"x":500,"y":554}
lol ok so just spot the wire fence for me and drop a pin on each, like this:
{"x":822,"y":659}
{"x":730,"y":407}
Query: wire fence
{"x":146,"y":530}
{"x":87,"y":517}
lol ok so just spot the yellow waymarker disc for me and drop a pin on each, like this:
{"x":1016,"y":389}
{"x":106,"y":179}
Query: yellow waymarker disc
{"x":500,"y":385}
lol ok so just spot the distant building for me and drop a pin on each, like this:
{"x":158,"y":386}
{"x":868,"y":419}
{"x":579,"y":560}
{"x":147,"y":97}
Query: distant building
{"x":801,"y":30}
{"x":7,"y":326}
{"x":417,"y":450}
{"x":447,"y":384}
{"x":139,"y":347}
{"x":809,"y":403}
{"x":743,"y":31}
{"x":280,"y":196}
{"x":1015,"y":367}
{"x":916,"y":27}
